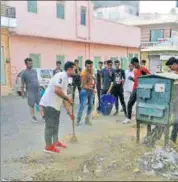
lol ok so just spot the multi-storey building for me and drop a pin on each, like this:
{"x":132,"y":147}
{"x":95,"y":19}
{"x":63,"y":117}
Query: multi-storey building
{"x":116,"y":10}
{"x":65,"y":30}
{"x":8,"y":21}
{"x":159,"y":39}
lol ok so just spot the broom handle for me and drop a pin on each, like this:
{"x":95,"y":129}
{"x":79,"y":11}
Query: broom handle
{"x":73,"y":121}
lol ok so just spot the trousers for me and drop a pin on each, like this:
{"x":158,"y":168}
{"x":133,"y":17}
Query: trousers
{"x":86,"y":96}
{"x":51,"y":125}
{"x":119,"y":95}
{"x":132,"y":100}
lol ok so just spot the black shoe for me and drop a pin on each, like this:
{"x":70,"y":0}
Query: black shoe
{"x":116,"y":113}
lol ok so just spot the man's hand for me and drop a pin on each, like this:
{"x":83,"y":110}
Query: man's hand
{"x":131,"y":78}
{"x":71,"y":115}
{"x":94,"y":91}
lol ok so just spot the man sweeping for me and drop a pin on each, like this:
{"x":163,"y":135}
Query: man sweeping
{"x":51,"y":102}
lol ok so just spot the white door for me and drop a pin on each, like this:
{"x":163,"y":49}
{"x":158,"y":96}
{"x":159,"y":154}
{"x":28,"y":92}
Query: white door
{"x":155,"y":64}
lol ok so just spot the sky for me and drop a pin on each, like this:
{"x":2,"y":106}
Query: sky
{"x":156,"y":6}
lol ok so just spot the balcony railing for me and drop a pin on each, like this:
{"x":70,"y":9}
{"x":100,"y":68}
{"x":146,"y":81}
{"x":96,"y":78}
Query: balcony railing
{"x":8,"y":11}
{"x":160,"y":43}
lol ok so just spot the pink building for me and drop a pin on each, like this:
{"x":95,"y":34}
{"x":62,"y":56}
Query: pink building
{"x":65,"y":30}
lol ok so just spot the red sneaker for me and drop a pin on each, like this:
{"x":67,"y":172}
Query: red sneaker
{"x":59,"y":144}
{"x":51,"y":149}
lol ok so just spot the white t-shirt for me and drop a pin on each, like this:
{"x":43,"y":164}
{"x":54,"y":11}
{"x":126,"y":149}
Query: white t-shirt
{"x":128,"y":85}
{"x":50,"y":98}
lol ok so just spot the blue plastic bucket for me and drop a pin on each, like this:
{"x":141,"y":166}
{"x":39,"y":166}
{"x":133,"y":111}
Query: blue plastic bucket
{"x":107,"y":102}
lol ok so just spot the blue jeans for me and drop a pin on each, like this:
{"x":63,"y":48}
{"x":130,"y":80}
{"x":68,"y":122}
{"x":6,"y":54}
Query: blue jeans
{"x":86,"y":96}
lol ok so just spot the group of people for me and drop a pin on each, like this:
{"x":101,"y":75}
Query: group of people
{"x":109,"y":79}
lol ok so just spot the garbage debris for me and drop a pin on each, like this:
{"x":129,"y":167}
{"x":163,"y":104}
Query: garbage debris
{"x":162,"y":162}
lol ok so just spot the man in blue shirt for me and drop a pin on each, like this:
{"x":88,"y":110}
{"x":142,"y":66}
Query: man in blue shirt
{"x":107,"y":78}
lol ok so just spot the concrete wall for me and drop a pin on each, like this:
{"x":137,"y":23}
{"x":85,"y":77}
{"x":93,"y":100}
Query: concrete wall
{"x":6,"y":88}
{"x":46,"y":24}
{"x":21,"y":47}
{"x":145,"y":30}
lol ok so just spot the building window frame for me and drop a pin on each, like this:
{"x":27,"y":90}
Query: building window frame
{"x":61,"y":57}
{"x":32,"y":6}
{"x":156,"y":30}
{"x":83,"y":20}
{"x":3,"y":67}
{"x":60,"y":10}
{"x":36,"y":57}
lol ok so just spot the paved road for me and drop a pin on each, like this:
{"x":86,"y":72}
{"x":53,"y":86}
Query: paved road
{"x":19,"y":136}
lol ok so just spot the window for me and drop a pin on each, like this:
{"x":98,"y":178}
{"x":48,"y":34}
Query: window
{"x":96,"y":61}
{"x":114,"y":58}
{"x":36,"y":58}
{"x":136,"y":55}
{"x":124,"y":62}
{"x":32,"y":6}
{"x":177,"y":3}
{"x":99,"y":14}
{"x":61,"y":58}
{"x":60,"y":10}
{"x":156,"y":34}
{"x":3,"y":74}
{"x":130,"y":56}
{"x":80,"y":58}
{"x":83,"y":16}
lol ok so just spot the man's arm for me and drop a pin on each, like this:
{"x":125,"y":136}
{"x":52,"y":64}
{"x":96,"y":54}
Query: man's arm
{"x":123,"y":76}
{"x":22,"y":88}
{"x":112,"y":82}
{"x":22,"y":85}
{"x":62,"y":95}
{"x":68,"y":109}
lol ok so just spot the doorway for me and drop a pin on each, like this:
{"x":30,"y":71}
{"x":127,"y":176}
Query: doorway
{"x":155,"y":64}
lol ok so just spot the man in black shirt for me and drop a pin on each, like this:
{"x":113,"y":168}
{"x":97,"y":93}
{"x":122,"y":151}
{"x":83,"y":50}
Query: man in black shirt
{"x":117,"y":89}
{"x":76,"y":78}
{"x":58,"y":68}
{"x":98,"y":83}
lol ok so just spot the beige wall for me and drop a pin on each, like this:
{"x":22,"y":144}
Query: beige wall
{"x":145,"y":30}
{"x":46,"y":24}
{"x":21,"y":47}
{"x":5,"y":89}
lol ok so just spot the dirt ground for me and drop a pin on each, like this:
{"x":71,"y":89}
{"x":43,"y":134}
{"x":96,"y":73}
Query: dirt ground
{"x":109,"y":152}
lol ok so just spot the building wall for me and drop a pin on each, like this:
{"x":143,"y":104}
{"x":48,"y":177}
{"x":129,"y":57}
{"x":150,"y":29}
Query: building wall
{"x":145,"y":30}
{"x":46,"y":24}
{"x":145,"y":56}
{"x":7,"y":85}
{"x":21,"y":47}
{"x":116,"y":13}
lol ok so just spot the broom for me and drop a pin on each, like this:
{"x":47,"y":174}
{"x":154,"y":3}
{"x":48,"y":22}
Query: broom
{"x":74,"y":138}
